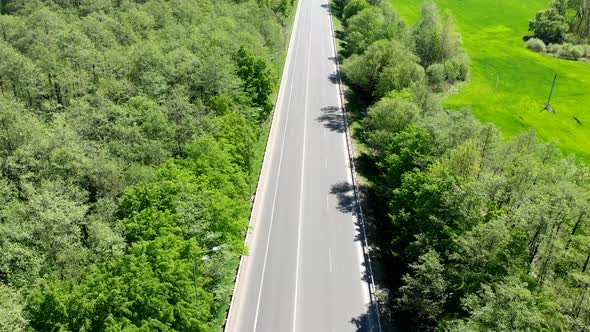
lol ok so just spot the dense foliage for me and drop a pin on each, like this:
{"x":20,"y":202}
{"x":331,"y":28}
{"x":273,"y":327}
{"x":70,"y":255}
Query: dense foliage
{"x":475,"y":233}
{"x":124,"y":130}
{"x":563,"y":20}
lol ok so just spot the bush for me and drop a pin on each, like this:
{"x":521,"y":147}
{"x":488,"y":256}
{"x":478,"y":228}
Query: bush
{"x":457,"y":68}
{"x":536,"y":44}
{"x":585,"y":50}
{"x":385,"y":119}
{"x":436,"y":74}
{"x":364,"y":71}
{"x":553,"y":48}
{"x":549,"y":26}
{"x":570,"y":51}
{"x":398,"y":77}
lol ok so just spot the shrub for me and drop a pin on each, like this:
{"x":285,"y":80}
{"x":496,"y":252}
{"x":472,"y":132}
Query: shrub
{"x":536,"y":44}
{"x":363,"y":70}
{"x":398,"y":77}
{"x":457,"y":68}
{"x":554,"y":48}
{"x":549,"y":26}
{"x":585,"y":50}
{"x":570,"y":51}
{"x":385,"y":119}
{"x":436,"y":74}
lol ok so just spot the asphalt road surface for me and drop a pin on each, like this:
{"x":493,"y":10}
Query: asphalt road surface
{"x":305,"y":268}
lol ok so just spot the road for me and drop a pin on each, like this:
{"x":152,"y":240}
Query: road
{"x":305,"y":267}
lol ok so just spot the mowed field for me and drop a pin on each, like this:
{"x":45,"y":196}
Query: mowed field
{"x":509,"y":84}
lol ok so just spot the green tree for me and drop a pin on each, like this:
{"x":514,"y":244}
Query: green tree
{"x":399,"y":76}
{"x":428,"y":35}
{"x":353,"y":7}
{"x":509,"y":306}
{"x":12,"y":316}
{"x":365,"y":71}
{"x":385,"y":120}
{"x":549,"y":26}
{"x":424,"y":293}
{"x":257,"y":78}
{"x":370,"y":25}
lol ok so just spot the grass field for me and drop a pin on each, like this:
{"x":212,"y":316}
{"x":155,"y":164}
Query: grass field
{"x":509,"y":84}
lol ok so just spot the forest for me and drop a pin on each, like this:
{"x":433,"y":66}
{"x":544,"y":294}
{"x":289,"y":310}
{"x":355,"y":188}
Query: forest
{"x":473,"y":232}
{"x":127,"y":130}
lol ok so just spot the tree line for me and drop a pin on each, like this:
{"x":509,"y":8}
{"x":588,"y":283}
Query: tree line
{"x":564,"y":20}
{"x":124,"y":130}
{"x":474,"y":232}
{"x":562,"y":30}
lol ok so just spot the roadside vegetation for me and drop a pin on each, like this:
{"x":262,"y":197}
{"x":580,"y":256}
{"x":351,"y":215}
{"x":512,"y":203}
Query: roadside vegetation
{"x":127,"y":133}
{"x":510,"y":84}
{"x":474,"y":232}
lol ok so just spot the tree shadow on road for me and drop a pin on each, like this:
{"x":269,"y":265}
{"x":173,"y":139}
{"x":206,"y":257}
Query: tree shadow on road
{"x":333,"y":119}
{"x":334,"y":78}
{"x":367,"y":321}
{"x":347,"y":204}
{"x":344,"y":192}
{"x":362,"y":323}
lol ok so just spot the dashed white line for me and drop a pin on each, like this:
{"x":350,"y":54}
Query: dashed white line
{"x":330,"y":258}
{"x":302,"y":177}
{"x":273,"y":204}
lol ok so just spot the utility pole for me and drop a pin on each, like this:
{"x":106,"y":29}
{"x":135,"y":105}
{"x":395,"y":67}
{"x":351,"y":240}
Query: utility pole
{"x":548,"y":107}
{"x":250,"y":114}
{"x":249,"y":159}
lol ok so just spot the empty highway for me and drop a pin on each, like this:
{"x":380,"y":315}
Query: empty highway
{"x":305,"y":268}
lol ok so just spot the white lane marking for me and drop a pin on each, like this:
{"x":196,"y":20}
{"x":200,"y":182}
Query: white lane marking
{"x":278,"y":178}
{"x":326,"y":163}
{"x":274,"y":123}
{"x":302,"y":177}
{"x":330,"y":258}
{"x":327,"y":199}
{"x":347,"y":156}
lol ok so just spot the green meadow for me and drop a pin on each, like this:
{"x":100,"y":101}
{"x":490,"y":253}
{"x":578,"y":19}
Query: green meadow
{"x":509,"y":84}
